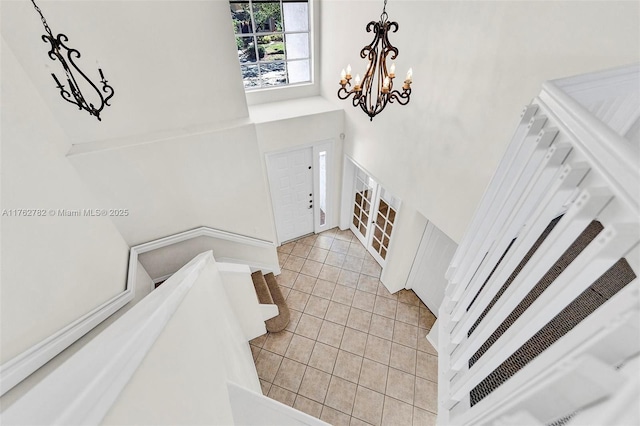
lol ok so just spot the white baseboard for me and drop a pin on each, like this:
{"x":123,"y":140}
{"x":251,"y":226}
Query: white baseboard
{"x":20,"y":367}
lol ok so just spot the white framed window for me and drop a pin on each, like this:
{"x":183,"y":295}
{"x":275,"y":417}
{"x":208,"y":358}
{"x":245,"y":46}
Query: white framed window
{"x":274,"y":42}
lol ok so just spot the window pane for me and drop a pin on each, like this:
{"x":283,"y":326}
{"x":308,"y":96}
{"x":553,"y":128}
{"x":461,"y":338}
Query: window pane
{"x":299,"y":71}
{"x":297,"y":46}
{"x":241,"y":17}
{"x":273,"y":74}
{"x":271,"y":48}
{"x":278,"y":59}
{"x":296,"y":16}
{"x":267,"y":16}
{"x":250,"y":76}
{"x":246,"y":51}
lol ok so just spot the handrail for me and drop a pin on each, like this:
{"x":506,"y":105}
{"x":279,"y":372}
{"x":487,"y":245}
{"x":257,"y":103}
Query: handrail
{"x":591,"y":175}
{"x":610,"y":153}
{"x":94,"y":377}
{"x":199,"y":232}
{"x":24,"y":364}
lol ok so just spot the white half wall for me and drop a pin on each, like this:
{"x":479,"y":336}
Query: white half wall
{"x":183,"y":378}
{"x":164,"y":261}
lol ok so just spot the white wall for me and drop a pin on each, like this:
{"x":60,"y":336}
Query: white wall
{"x":167,"y":260}
{"x":172,"y":185}
{"x":290,"y":124}
{"x":475,"y":64}
{"x":177,"y":141}
{"x":144,"y":286}
{"x":169,"y":62}
{"x":175,"y":148}
{"x":54,"y":269}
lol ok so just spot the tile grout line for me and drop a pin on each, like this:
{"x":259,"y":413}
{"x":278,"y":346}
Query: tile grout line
{"x":377,"y":294}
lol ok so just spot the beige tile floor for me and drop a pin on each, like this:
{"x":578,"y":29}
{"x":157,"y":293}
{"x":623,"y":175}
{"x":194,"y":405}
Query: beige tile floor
{"x":353,"y":354}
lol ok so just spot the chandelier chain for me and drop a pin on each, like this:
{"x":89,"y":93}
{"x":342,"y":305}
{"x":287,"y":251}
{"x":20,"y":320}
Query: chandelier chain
{"x":44,"y":21}
{"x":383,"y":15}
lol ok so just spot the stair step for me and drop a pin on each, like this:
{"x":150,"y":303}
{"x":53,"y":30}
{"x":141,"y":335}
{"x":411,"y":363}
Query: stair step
{"x":262,"y":289}
{"x":281,"y":321}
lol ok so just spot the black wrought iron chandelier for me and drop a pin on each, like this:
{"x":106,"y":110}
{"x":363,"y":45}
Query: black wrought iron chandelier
{"x":375,"y":91}
{"x":74,"y":95}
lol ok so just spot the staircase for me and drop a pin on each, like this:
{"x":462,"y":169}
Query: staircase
{"x":540,"y":320}
{"x":269,"y":293}
{"x":172,"y":336}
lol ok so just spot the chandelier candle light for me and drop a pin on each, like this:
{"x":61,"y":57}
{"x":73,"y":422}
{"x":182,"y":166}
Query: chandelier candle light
{"x":375,"y":91}
{"x":74,"y":95}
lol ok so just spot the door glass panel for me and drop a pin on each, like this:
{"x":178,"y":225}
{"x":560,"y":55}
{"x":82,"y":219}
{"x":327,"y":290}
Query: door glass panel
{"x":385,"y":217}
{"x":363,"y":189}
{"x":322,"y":186}
{"x":378,"y":233}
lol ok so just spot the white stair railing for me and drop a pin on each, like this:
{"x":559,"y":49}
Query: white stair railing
{"x":543,"y":299}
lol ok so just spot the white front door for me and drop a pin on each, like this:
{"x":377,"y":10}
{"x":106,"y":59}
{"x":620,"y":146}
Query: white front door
{"x":291,"y":182}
